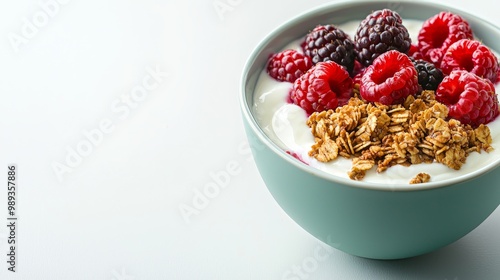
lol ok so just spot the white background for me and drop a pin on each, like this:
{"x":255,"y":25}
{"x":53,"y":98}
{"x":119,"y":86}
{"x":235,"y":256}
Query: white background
{"x":114,"y":212}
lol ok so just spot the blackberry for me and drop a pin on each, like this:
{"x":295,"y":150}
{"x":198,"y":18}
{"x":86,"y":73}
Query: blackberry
{"x":379,"y":32}
{"x":429,"y":76}
{"x":329,"y":43}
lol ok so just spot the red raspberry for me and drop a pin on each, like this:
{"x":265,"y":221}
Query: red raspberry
{"x":390,"y":79}
{"x":439,"y":32}
{"x":325,"y":86}
{"x":469,"y":98}
{"x":288,"y":65}
{"x":472,"y":56}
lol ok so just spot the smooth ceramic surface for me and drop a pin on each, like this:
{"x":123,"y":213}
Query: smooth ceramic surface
{"x":368,"y":220}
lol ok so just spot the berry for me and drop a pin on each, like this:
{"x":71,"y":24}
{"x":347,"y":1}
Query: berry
{"x":329,"y":43}
{"x":469,"y":98}
{"x":379,"y":32}
{"x":429,"y":76}
{"x":326,"y":85}
{"x":439,"y":32}
{"x":390,"y":79}
{"x":288,"y":65}
{"x":472,"y":56}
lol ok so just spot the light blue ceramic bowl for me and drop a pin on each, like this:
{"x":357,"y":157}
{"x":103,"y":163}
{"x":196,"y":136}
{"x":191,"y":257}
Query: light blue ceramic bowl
{"x":368,"y":220}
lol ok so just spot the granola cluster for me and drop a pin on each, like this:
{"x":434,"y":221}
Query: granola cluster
{"x":414,"y":132}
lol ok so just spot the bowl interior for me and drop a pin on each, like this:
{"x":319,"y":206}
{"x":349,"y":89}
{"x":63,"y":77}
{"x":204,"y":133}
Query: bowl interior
{"x":339,"y":13}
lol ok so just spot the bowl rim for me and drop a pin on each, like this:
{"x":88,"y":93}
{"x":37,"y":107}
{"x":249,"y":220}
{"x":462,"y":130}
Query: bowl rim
{"x":248,"y":116}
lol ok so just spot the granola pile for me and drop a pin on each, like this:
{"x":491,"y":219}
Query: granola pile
{"x":372,"y":134}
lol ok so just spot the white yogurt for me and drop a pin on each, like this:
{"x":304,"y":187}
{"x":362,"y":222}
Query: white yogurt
{"x":285,"y":124}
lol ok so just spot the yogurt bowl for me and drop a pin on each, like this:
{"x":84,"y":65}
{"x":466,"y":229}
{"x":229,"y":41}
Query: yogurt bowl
{"x":376,"y":220}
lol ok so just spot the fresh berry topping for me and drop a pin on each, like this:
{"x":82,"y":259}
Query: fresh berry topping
{"x":379,"y":32}
{"x":288,"y":65}
{"x":326,"y":85}
{"x":390,"y":79}
{"x":328,"y":43}
{"x":469,"y":98}
{"x":429,"y":76}
{"x":439,"y":32}
{"x":472,"y":56}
